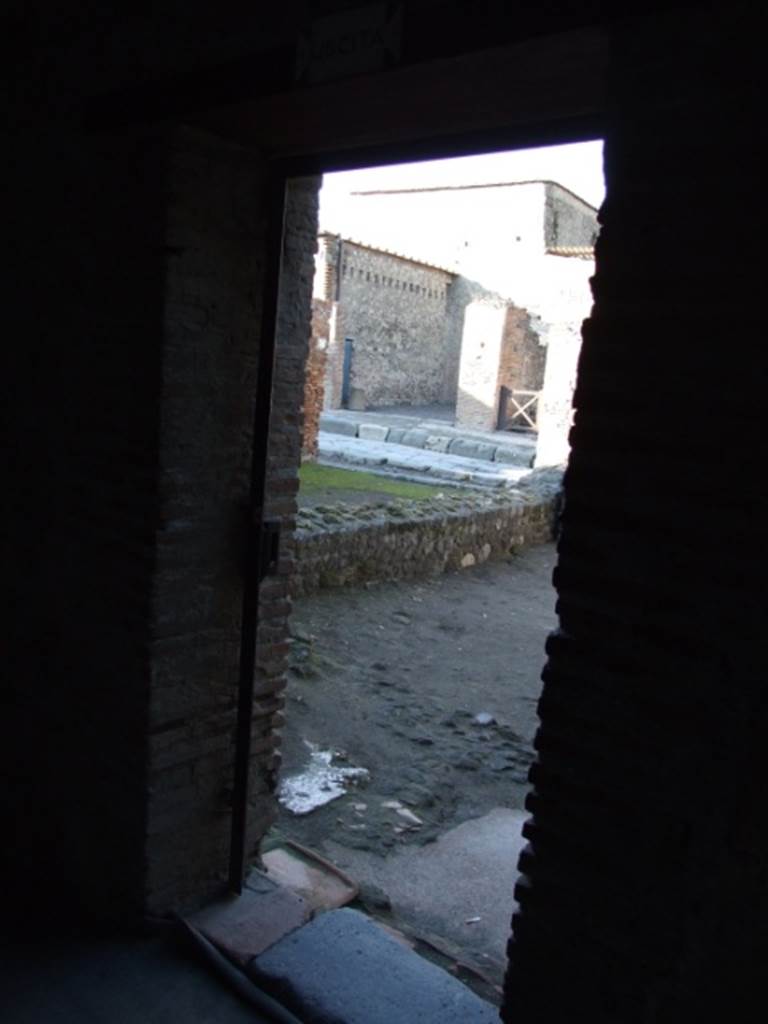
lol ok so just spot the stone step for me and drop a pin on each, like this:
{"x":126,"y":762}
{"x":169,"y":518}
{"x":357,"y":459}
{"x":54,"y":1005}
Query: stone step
{"x":343,"y":968}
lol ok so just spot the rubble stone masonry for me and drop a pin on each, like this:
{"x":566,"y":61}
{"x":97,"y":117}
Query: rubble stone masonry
{"x":350,"y":545}
{"x":394,"y":311}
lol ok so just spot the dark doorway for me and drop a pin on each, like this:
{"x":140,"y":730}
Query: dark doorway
{"x":418,"y":680}
{"x":346,"y":372}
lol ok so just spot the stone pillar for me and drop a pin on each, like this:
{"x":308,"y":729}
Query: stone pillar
{"x":481,"y":347}
{"x":213,"y":299}
{"x":644,"y":894}
{"x":327,"y":287}
{"x":555,"y":407}
{"x":314,"y":381}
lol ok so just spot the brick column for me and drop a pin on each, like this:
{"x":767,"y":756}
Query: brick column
{"x":481,"y":348}
{"x":215,"y":236}
{"x":645,"y":888}
{"x":555,"y":407}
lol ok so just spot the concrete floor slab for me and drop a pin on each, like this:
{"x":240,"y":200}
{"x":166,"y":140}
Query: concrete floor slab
{"x":102,"y":980}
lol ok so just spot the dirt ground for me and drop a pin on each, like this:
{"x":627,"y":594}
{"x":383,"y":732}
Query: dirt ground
{"x":431,"y":686}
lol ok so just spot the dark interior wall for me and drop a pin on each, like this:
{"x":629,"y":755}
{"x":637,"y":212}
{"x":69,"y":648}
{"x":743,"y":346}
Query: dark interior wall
{"x":218,"y":203}
{"x":135,"y":410}
{"x":86,"y":316}
{"x":644,"y":891}
{"x":139,"y":260}
{"x":138,"y":254}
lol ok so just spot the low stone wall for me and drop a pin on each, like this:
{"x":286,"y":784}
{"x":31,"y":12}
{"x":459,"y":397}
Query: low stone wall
{"x":345,"y":544}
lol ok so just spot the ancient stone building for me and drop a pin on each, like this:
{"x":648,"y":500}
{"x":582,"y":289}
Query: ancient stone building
{"x":519,"y":256}
{"x":158,"y":254}
{"x":390,"y":345}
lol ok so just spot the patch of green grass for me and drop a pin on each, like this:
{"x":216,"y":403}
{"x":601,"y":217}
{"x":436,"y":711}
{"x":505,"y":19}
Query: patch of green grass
{"x":314,"y":479}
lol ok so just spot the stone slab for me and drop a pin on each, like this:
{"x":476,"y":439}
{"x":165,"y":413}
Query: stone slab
{"x":339,"y":425}
{"x":357,"y":401}
{"x":414,"y":438}
{"x":316,"y":882}
{"x":437,"y":443}
{"x":460,"y":475}
{"x":343,"y":969}
{"x":244,"y":926}
{"x":472,"y":449}
{"x":512,"y":455}
{"x":438,"y":465}
{"x":491,"y":479}
{"x":372,"y":432}
{"x":396,"y":435}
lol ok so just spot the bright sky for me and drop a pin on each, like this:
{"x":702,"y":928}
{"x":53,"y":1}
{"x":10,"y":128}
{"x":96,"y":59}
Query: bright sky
{"x":579,"y":167}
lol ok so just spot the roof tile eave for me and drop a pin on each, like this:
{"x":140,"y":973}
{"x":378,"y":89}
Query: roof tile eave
{"x":391,"y":252}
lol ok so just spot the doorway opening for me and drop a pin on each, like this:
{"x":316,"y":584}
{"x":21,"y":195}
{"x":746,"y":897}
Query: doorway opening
{"x":424,"y":543}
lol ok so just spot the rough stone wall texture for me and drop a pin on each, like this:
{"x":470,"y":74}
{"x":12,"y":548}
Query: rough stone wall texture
{"x":348,"y":545}
{"x":215,"y":239}
{"x":316,"y":372}
{"x":642,"y":900}
{"x":394,"y":311}
{"x":568,"y":219}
